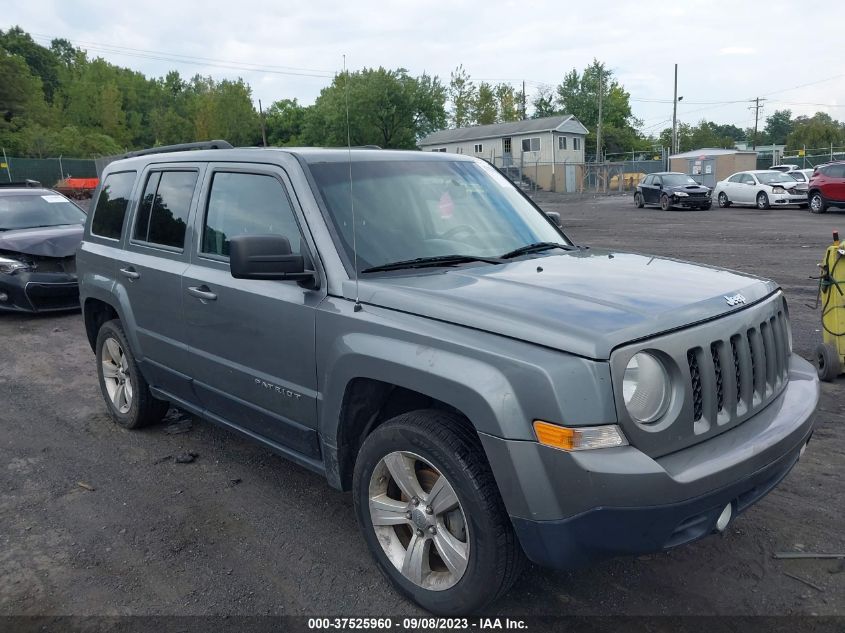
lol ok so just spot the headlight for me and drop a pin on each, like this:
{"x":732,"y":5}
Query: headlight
{"x":681,"y":194}
{"x":11,"y":266}
{"x":778,"y":190}
{"x":645,"y":388}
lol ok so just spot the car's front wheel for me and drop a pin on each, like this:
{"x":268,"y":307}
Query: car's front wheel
{"x":817,"y":203}
{"x":431,"y":513}
{"x":665,"y":202}
{"x":723,"y":200}
{"x":126,"y":392}
{"x":762,"y":200}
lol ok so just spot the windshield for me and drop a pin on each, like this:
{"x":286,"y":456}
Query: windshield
{"x":677,"y":180}
{"x":770,"y":177}
{"x":407,"y":209}
{"x":31,"y":210}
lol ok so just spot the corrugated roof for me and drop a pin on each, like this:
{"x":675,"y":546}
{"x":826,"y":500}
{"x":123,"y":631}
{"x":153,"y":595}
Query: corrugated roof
{"x":710,"y":151}
{"x":564,"y":122}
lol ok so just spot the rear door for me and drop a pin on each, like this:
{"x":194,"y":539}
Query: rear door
{"x":252,"y":342}
{"x":655,"y":190}
{"x":836,"y":180}
{"x":150,"y":271}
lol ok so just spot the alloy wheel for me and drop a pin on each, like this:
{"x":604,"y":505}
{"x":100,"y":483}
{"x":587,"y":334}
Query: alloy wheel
{"x":116,"y":376}
{"x":419,"y":521}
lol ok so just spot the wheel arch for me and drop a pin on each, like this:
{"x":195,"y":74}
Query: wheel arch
{"x":95,"y":312}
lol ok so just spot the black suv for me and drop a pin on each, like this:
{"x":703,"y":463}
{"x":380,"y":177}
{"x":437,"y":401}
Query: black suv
{"x":672,"y":189}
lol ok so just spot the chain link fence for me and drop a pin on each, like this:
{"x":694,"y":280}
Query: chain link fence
{"x":47,"y":171}
{"x":812,"y":157}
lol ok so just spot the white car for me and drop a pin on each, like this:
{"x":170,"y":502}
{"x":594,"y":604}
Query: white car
{"x":784,"y":167}
{"x":801,"y":175}
{"x":762,"y":188}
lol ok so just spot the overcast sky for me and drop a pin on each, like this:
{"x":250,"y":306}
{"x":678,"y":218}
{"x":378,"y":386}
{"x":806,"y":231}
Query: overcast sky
{"x":788,"y":51}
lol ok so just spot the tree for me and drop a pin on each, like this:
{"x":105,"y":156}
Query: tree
{"x":508,"y":104}
{"x":815,"y":132}
{"x":388,"y":108}
{"x":462,"y":96}
{"x":41,"y":61}
{"x":778,"y":127}
{"x":543,"y":103}
{"x":485,"y":107}
{"x":284,"y":121}
{"x":578,"y":94}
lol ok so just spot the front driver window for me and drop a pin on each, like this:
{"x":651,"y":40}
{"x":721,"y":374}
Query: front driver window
{"x":247,"y":204}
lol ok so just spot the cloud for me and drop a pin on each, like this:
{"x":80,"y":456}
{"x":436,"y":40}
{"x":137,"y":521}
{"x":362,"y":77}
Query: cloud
{"x":737,"y":50}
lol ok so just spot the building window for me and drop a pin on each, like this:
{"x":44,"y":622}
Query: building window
{"x":506,"y":145}
{"x":438,"y":149}
{"x":531,"y":144}
{"x":478,"y":148}
{"x":561,"y":142}
{"x":576,"y":143}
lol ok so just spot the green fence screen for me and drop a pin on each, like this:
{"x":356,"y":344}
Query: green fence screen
{"x":47,"y":171}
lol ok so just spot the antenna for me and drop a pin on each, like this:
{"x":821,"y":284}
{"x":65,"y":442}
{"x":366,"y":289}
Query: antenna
{"x":357,"y":307}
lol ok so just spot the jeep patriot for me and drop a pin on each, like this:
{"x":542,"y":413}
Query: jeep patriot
{"x":412,"y":327}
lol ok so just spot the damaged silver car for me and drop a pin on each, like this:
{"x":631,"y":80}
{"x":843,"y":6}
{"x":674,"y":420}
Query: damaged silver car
{"x":40,"y":231}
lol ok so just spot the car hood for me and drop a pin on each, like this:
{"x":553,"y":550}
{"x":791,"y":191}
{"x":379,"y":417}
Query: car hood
{"x":688,"y":188}
{"x":50,"y":241}
{"x":584,"y":302}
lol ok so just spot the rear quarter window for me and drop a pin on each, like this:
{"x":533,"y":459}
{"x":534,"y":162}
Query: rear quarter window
{"x":111,"y":205}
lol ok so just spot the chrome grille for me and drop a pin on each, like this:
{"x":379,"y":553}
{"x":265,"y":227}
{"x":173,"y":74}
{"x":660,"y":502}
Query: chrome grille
{"x":744,"y":373}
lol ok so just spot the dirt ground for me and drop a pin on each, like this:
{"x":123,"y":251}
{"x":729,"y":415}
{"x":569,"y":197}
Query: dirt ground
{"x":95,"y":520}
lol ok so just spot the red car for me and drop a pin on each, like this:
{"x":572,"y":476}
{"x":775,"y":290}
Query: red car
{"x":827,"y":187}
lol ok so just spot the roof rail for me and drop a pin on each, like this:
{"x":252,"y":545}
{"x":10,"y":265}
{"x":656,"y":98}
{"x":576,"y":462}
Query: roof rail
{"x":180,"y":147}
{"x":21,"y":183}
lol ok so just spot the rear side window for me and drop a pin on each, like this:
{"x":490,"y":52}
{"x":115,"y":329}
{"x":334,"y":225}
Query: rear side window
{"x":163,"y":214}
{"x":111,"y":205}
{"x":247,"y":204}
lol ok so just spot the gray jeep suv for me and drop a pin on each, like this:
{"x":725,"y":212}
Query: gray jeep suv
{"x":412,"y":327}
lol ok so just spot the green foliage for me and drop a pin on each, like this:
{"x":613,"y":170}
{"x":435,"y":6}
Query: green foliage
{"x":284,"y":120}
{"x":388,"y":108}
{"x":544,"y":103}
{"x":778,"y":128}
{"x":815,"y":132}
{"x":462,"y":94}
{"x":705,"y":134}
{"x":485,"y":109}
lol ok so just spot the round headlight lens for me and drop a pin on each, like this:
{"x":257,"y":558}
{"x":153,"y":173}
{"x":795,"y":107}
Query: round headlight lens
{"x":645,"y":387}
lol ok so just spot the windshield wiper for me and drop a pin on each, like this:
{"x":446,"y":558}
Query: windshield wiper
{"x":439,"y":260}
{"x":536,"y":247}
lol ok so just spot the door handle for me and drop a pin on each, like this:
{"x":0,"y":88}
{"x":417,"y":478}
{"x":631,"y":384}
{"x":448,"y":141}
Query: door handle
{"x":130,"y":273}
{"x":202,"y":292}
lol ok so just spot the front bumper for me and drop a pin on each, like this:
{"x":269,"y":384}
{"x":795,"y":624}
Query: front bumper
{"x":786,"y":198}
{"x":38,"y":292}
{"x":691,"y":202}
{"x":569,"y":509}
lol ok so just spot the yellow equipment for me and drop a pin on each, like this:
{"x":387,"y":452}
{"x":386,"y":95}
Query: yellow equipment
{"x":830,"y":355}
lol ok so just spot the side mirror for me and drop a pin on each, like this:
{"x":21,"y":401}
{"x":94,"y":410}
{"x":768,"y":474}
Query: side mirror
{"x":659,"y":185}
{"x":554,"y":216}
{"x":265,"y":257}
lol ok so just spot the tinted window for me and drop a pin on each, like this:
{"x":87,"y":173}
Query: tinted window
{"x":29,"y":210}
{"x":111,"y":205}
{"x":678,"y":180}
{"x":163,"y":215}
{"x":247,"y":204}
{"x":835,"y":171}
{"x":736,"y":178}
{"x":648,"y":180}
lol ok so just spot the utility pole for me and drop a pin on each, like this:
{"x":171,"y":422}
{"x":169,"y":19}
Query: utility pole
{"x":756,"y":107}
{"x":263,"y":131}
{"x":675,"y":115}
{"x":598,"y":129}
{"x":524,"y":114}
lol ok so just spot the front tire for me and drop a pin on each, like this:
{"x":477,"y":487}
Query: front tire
{"x":828,"y":363}
{"x":431,"y":513}
{"x":665,"y":203}
{"x":126,"y":392}
{"x":724,"y":203}
{"x":638,"y":200}
{"x":817,"y":203}
{"x":762,"y":201}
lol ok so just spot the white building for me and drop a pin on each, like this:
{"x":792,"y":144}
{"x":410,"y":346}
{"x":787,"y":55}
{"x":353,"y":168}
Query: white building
{"x":544,"y":145}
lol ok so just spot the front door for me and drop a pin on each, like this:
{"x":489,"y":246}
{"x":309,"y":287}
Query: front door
{"x":507,"y":154}
{"x":252,"y":341}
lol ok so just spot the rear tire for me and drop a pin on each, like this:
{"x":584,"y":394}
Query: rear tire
{"x":638,"y":200}
{"x":665,"y":204}
{"x":126,"y":392}
{"x":817,"y":203}
{"x":723,"y":200}
{"x":828,"y":363}
{"x":762,"y":201}
{"x":424,"y":447}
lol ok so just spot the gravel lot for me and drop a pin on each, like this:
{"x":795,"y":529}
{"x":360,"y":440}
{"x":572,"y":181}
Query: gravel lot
{"x":241,"y":531}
